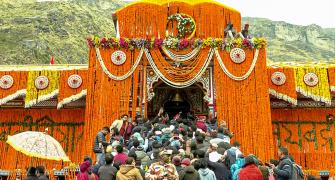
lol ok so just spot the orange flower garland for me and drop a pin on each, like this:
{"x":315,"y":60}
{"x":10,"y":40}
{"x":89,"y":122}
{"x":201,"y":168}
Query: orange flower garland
{"x":107,"y":99}
{"x":19,"y":85}
{"x":69,"y":136}
{"x":244,"y":105}
{"x":305,"y":132}
{"x":287,"y":91}
{"x":65,"y":91}
{"x":147,"y":19}
{"x":331,"y":77}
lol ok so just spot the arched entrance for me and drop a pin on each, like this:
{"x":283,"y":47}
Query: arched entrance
{"x":186,"y":100}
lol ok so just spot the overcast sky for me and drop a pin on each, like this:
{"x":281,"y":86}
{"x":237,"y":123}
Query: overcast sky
{"x":301,"y":12}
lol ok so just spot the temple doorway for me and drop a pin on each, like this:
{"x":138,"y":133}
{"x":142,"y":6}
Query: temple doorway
{"x":188,"y":101}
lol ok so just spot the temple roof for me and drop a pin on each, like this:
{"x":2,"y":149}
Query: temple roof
{"x":190,"y":2}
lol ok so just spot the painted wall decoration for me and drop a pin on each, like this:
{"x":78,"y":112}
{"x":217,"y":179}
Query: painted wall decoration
{"x":65,"y":125}
{"x":308,"y":134}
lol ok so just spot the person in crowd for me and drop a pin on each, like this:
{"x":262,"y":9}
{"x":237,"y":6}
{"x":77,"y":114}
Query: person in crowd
{"x":85,"y":172}
{"x":162,"y":169}
{"x":108,"y":171}
{"x":213,"y":155}
{"x":232,"y":154}
{"x":119,"y":123}
{"x":140,"y":153}
{"x":236,"y":167}
{"x":100,"y":143}
{"x":188,"y":172}
{"x":41,"y":173}
{"x":214,"y":138}
{"x":250,"y":170}
{"x":284,"y":170}
{"x":128,"y":171}
{"x":120,"y":156}
{"x":138,"y":163}
{"x":297,"y":170}
{"x":177,"y":163}
{"x":115,"y":135}
{"x":204,"y":172}
{"x":31,"y":174}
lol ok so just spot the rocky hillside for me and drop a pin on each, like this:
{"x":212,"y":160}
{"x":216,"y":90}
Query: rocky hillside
{"x":288,"y":42}
{"x":32,"y":31}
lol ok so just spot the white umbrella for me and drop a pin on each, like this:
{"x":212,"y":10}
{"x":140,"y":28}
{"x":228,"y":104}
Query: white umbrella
{"x":38,"y":144}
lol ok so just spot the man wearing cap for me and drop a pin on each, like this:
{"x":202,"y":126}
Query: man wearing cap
{"x":188,"y":172}
{"x":163,"y":169}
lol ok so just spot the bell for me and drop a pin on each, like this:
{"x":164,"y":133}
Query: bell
{"x":177,"y":98}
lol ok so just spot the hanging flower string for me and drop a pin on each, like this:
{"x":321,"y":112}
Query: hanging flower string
{"x":176,"y":43}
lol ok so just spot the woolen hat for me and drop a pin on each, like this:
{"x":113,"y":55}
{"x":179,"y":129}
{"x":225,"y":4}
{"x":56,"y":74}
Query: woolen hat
{"x":186,"y":162}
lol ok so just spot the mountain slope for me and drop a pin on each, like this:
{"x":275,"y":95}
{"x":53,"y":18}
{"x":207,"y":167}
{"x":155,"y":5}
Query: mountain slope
{"x":31,"y":32}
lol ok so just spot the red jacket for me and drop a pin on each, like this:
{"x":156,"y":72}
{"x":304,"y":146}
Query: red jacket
{"x":250,"y":172}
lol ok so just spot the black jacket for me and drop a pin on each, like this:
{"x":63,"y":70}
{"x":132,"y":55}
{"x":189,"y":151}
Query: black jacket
{"x":220,"y":170}
{"x":284,"y":170}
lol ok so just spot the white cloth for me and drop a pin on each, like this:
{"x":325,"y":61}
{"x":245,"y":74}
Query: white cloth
{"x":214,"y":156}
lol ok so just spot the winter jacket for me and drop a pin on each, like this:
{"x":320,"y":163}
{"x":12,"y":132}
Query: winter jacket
{"x":236,"y":167}
{"x":189,"y":173}
{"x":284,"y":170}
{"x":220,"y":170}
{"x":31,"y":178}
{"x":128,"y":172}
{"x":250,"y":172}
{"x":107,"y":172}
{"x":100,"y":138}
{"x":206,"y":174}
{"x":141,"y":155}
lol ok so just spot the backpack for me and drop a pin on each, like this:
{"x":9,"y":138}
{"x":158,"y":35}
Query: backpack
{"x":231,"y":158}
{"x":300,"y":173}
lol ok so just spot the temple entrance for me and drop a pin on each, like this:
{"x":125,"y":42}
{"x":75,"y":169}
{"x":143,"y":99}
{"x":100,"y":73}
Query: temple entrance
{"x":188,"y":101}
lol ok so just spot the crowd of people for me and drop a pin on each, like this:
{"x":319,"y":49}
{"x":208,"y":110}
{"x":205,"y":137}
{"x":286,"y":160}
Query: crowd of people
{"x":171,"y":149}
{"x":186,"y":149}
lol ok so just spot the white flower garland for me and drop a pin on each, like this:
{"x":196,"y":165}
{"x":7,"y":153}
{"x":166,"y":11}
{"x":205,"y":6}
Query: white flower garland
{"x":71,"y":98}
{"x":176,"y":84}
{"x":18,"y":93}
{"x":237,"y":78}
{"x":332,"y":88}
{"x":126,"y":75}
{"x":42,"y":98}
{"x":283,"y":97}
{"x":313,"y":96}
{"x":181,"y":58}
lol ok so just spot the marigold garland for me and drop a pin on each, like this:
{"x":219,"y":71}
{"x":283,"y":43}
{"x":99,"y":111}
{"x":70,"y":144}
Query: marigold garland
{"x":287,"y":91}
{"x":319,"y":92}
{"x":34,"y":95}
{"x":18,"y":89}
{"x":331,"y":75}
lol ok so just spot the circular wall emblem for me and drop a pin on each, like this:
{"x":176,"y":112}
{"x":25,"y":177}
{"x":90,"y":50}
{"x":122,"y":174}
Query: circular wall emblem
{"x":6,"y":81}
{"x":41,"y":82}
{"x":278,"y":78}
{"x":118,"y":57}
{"x":311,"y":79}
{"x":74,"y":81}
{"x":237,"y":55}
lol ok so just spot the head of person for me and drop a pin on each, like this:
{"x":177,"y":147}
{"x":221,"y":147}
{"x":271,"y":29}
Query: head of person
{"x":176,"y":160}
{"x":282,"y":152}
{"x":31,"y":171}
{"x":212,"y":147}
{"x":249,"y":160}
{"x":119,"y":149}
{"x":114,"y":131}
{"x":136,"y":143}
{"x":105,"y":130}
{"x":40,"y":170}
{"x":109,"y":159}
{"x":185,"y":162}
{"x":165,"y":156}
{"x":88,"y":158}
{"x":237,"y":144}
{"x":202,"y":163}
{"x":130,"y":161}
{"x":199,"y":154}
{"x":124,"y":117}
